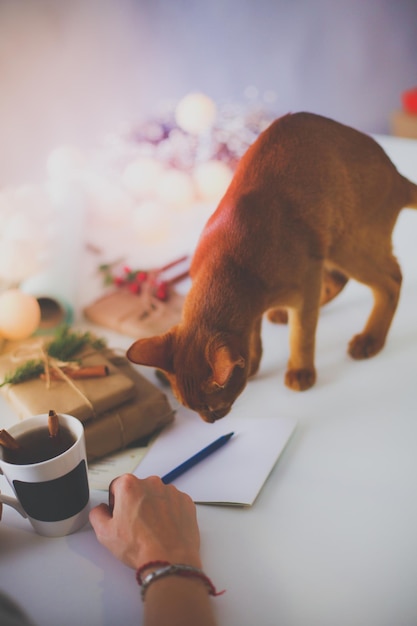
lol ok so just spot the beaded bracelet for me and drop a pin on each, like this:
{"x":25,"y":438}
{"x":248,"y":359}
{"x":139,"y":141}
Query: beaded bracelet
{"x":164,"y":568}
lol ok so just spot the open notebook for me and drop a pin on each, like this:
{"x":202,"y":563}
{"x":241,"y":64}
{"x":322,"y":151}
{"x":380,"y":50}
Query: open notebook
{"x":232,"y":475}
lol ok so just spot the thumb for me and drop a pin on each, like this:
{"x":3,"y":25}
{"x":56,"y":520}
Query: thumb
{"x":99,"y":516}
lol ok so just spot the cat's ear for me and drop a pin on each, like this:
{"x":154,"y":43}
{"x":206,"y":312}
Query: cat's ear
{"x":223,"y":361}
{"x":153,"y":351}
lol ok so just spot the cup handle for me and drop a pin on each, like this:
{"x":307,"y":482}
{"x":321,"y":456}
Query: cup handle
{"x":14,"y":503}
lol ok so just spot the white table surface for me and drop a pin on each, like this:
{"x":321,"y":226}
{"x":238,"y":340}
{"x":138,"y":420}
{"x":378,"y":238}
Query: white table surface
{"x":331,"y":539}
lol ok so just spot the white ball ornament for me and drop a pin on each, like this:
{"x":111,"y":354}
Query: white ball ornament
{"x":20,"y":314}
{"x":195,"y":113}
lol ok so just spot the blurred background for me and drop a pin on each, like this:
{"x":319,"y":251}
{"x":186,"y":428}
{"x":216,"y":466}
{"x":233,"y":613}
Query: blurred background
{"x":71,"y":70}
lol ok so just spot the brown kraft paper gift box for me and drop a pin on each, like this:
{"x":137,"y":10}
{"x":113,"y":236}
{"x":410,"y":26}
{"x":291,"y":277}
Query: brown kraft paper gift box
{"x":81,"y":398}
{"x":116,"y":410}
{"x":142,"y":416}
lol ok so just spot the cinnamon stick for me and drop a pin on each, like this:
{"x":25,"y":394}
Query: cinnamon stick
{"x":92,"y":371}
{"x":172,"y":263}
{"x":7,"y":441}
{"x":53,"y":424}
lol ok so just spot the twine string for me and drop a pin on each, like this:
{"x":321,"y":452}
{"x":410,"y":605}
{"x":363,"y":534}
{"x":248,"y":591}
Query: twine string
{"x":37,"y":350}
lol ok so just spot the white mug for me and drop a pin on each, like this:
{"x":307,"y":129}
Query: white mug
{"x":52,"y":494}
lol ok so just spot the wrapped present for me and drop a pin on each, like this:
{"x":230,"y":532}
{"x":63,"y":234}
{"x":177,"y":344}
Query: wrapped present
{"x":83,"y":398}
{"x":116,"y":411}
{"x":133,"y":315}
{"x":141,"y":417}
{"x":144,"y":303}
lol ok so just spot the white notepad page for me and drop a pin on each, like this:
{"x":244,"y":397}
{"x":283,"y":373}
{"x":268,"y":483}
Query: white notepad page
{"x":235,"y":473}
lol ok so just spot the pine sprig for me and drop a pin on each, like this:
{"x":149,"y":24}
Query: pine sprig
{"x":30,"y":369}
{"x":67,"y":343}
{"x":65,"y":346}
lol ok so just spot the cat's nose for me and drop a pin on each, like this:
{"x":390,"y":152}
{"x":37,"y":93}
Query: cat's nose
{"x":207,"y":417}
{"x":216,"y":414}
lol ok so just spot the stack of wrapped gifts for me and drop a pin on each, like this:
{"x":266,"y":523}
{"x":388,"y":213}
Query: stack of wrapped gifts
{"x":76,"y":374}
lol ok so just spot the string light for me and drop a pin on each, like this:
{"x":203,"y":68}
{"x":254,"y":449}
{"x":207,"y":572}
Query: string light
{"x":142,"y":181}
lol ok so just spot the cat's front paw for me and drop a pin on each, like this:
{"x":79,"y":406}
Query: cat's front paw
{"x":364,"y":346}
{"x":300,"y":380}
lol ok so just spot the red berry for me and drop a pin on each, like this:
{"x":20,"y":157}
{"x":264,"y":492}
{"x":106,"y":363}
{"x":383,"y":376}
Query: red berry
{"x":141,"y":277}
{"x":161,"y":292}
{"x":135,"y":287}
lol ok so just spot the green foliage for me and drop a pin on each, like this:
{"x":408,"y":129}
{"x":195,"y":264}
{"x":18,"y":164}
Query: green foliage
{"x":30,"y":369}
{"x":65,"y":346}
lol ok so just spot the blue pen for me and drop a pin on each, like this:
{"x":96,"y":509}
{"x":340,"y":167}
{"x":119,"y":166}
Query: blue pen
{"x":205,"y":452}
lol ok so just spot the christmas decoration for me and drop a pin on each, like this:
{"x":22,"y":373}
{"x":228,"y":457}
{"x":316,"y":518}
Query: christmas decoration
{"x":124,"y":410}
{"x":20,"y":314}
{"x":142,"y":193}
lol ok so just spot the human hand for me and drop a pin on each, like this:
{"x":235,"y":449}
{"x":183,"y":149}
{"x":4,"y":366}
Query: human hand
{"x":147,"y":520}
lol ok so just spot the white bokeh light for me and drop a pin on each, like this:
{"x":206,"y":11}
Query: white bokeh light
{"x":195,"y":113}
{"x":212,"y":179}
{"x":176,"y":189}
{"x":141,"y":177}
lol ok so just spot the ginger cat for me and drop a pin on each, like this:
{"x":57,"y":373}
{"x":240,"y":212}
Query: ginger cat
{"x":312,"y":203}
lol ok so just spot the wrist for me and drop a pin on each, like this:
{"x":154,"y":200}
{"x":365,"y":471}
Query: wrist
{"x":168,"y":557}
{"x":154,"y":571}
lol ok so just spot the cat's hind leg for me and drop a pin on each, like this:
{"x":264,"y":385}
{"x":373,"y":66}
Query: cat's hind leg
{"x":332,"y":284}
{"x":383,"y":275}
{"x":277,"y":316}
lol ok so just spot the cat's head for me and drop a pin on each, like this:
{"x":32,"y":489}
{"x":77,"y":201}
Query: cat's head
{"x":206,"y":375}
